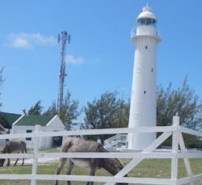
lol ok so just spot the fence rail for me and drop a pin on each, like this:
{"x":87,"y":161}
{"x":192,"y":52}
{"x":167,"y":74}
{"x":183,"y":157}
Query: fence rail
{"x":121,"y":155}
{"x":150,"y":152}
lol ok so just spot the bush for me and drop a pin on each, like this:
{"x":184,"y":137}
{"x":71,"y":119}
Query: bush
{"x":190,"y":142}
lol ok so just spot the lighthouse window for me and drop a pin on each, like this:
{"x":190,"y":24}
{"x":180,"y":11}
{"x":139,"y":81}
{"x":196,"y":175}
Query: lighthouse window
{"x":144,"y":92}
{"x":152,"y":70}
{"x":146,"y":47}
{"x":147,"y":21}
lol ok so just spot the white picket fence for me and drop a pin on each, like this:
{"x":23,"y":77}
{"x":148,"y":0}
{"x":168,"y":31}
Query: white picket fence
{"x":178,"y":151}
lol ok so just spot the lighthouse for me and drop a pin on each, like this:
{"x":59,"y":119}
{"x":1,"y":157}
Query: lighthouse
{"x":143,"y":96}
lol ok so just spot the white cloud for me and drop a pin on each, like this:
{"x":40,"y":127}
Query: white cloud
{"x":20,"y":43}
{"x":29,"y":40}
{"x":74,"y":60}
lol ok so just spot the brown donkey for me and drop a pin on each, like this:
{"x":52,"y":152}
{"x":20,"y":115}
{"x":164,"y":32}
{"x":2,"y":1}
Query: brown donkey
{"x":13,"y":146}
{"x":73,"y":144}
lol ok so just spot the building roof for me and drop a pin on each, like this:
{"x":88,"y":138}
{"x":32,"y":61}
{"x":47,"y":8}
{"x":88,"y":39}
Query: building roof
{"x":32,"y":120}
{"x":7,"y":119}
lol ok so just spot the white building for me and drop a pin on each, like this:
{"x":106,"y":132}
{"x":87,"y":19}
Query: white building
{"x":143,"y":96}
{"x":6,"y":121}
{"x":2,"y":131}
{"x":26,"y":124}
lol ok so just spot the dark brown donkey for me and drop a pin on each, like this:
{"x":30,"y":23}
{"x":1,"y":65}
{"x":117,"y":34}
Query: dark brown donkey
{"x":73,"y":144}
{"x":13,"y":146}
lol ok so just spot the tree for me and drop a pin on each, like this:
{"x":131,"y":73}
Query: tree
{"x":182,"y":101}
{"x":122,"y":114}
{"x":106,"y":112}
{"x":35,"y":110}
{"x":67,"y":112}
{"x":52,"y":110}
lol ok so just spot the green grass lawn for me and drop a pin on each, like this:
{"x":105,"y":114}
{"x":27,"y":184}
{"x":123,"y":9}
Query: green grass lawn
{"x":155,"y":168}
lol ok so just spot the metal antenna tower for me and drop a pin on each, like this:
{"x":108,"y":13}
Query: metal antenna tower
{"x":62,"y":39}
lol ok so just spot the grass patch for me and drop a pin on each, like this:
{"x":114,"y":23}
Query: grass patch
{"x":155,"y":168}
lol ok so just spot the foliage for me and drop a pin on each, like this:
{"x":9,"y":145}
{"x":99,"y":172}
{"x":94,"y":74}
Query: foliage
{"x":52,"y":110}
{"x":189,"y":140}
{"x":107,"y":112}
{"x":122,"y":114}
{"x":35,"y":110}
{"x":110,"y":112}
{"x":182,"y":101}
{"x":69,"y":110}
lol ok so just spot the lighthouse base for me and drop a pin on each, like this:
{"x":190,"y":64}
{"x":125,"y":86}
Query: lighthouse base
{"x":140,"y":141}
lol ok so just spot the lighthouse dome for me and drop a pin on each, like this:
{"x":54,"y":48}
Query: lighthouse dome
{"x":146,"y":17}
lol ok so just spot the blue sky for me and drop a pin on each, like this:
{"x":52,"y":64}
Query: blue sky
{"x":100,"y":55}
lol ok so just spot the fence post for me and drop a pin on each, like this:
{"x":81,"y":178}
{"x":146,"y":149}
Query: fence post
{"x":175,"y":144}
{"x":35,"y":152}
{"x":186,"y":160}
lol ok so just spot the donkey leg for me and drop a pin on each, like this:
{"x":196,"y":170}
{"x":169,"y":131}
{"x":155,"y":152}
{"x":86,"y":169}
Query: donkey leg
{"x":69,"y":170}
{"x":23,"y":151}
{"x":8,"y":162}
{"x":92,"y":173}
{"x":16,"y":161}
{"x":59,"y":168}
{"x":23,"y":162}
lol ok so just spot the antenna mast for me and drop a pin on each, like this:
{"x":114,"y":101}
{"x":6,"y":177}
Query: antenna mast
{"x":62,"y":39}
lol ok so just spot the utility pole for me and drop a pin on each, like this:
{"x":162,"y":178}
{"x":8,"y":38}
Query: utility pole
{"x":62,"y":39}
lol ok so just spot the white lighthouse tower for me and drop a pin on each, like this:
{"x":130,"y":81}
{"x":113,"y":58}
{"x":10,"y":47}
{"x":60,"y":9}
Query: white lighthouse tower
{"x":143,"y":97}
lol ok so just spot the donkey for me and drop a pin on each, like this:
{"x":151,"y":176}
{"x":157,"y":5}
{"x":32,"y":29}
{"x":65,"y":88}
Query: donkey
{"x":73,"y":144}
{"x":13,"y":146}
